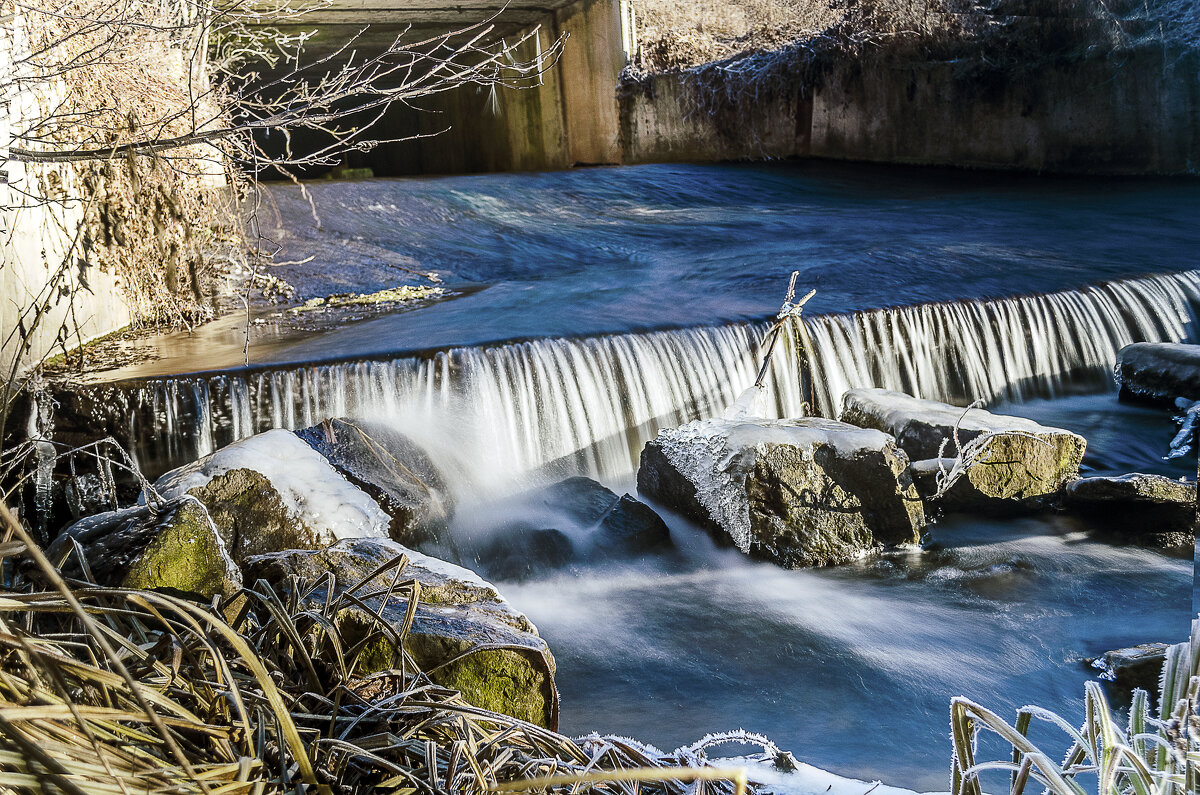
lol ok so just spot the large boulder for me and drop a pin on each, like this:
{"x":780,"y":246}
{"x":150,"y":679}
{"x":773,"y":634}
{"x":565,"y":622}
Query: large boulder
{"x":1159,"y":372}
{"x":174,"y":546}
{"x":464,"y":635}
{"x":271,"y":492}
{"x":252,"y":517}
{"x":1150,"y":509}
{"x":799,"y":492}
{"x":1023,"y":465}
{"x":393,"y":469}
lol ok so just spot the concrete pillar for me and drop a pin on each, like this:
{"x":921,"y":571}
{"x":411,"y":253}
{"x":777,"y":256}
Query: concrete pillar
{"x":54,"y":299}
{"x":591,"y":64}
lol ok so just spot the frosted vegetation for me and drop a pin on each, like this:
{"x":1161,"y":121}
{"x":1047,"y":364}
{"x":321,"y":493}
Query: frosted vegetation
{"x":689,"y":34}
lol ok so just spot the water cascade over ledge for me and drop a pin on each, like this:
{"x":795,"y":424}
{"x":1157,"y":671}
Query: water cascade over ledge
{"x":591,"y":403}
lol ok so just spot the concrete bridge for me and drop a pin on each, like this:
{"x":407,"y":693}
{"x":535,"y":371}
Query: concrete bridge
{"x":568,"y":117}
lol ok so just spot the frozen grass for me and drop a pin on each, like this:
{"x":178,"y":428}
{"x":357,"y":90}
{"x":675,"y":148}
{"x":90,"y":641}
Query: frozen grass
{"x":1155,"y":752}
{"x":106,"y":690}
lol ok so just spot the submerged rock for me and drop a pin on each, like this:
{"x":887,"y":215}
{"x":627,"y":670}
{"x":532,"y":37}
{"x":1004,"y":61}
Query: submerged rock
{"x":550,"y":527}
{"x":464,"y":635}
{"x":519,"y":552}
{"x":1151,"y":509}
{"x":614,"y":525}
{"x":174,"y":547}
{"x":800,"y":492}
{"x":391,"y":468}
{"x":1159,"y":372}
{"x":1025,"y":465}
{"x":1136,"y":666}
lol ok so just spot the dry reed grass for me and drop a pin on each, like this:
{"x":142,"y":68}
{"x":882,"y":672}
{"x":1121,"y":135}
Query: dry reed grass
{"x":106,"y":690}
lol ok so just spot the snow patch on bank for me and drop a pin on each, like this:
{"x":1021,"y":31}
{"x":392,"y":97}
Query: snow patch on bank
{"x":313,"y":492}
{"x":808,"y":780}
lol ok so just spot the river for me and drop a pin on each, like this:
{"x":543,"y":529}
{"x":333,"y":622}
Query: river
{"x":598,"y":305}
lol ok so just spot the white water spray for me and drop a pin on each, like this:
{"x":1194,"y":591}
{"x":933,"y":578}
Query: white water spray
{"x":593,"y":402}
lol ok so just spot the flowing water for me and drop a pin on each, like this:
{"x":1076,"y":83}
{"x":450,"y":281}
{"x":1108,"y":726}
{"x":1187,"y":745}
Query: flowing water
{"x":638,"y":298}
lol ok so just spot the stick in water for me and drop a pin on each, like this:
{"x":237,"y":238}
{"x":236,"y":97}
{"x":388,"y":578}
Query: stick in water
{"x":786,"y":311}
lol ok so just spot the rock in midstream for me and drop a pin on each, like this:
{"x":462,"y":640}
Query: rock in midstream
{"x":464,"y":634}
{"x":1159,"y":372}
{"x":1136,"y":666}
{"x":1023,"y":466}
{"x":393,"y":469}
{"x":572,"y":520}
{"x":799,"y":492}
{"x":1149,"y":509}
{"x":613,"y":526}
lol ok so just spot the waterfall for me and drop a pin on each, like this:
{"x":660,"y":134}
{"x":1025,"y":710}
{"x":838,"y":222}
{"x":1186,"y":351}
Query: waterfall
{"x":590,"y":404}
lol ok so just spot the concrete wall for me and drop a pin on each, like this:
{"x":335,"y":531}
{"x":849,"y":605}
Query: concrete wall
{"x":1136,"y":114}
{"x":50,"y":295}
{"x":569,"y":117}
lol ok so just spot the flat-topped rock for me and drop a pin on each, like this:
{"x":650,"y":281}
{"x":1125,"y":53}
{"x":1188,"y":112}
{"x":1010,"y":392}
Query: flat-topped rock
{"x":1136,"y":666}
{"x":1159,"y":372}
{"x":799,"y":492}
{"x":1150,"y":508}
{"x":464,"y":634}
{"x":1023,"y":465}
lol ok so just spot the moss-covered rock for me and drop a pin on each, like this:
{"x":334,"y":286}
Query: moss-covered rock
{"x":803,"y":492}
{"x":463,"y":634}
{"x":175,"y":548}
{"x":252,"y":518}
{"x":1023,"y":466}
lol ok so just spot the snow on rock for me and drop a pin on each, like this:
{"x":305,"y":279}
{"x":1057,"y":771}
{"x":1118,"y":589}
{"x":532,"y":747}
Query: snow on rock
{"x":1159,"y":372}
{"x":921,"y":425}
{"x":393,"y":469}
{"x":800,"y":492}
{"x":807,"y":780}
{"x":312,"y":491}
{"x":1023,"y":465}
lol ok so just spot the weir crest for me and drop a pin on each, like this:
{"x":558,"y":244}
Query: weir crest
{"x":591,"y":403}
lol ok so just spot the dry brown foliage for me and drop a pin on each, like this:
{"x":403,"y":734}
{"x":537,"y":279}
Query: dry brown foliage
{"x":680,"y":35}
{"x":104,"y":73}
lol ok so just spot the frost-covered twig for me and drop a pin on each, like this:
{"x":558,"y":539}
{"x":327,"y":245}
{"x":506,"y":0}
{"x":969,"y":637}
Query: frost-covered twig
{"x":1188,"y":421}
{"x":970,"y":454}
{"x":788,"y":311}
